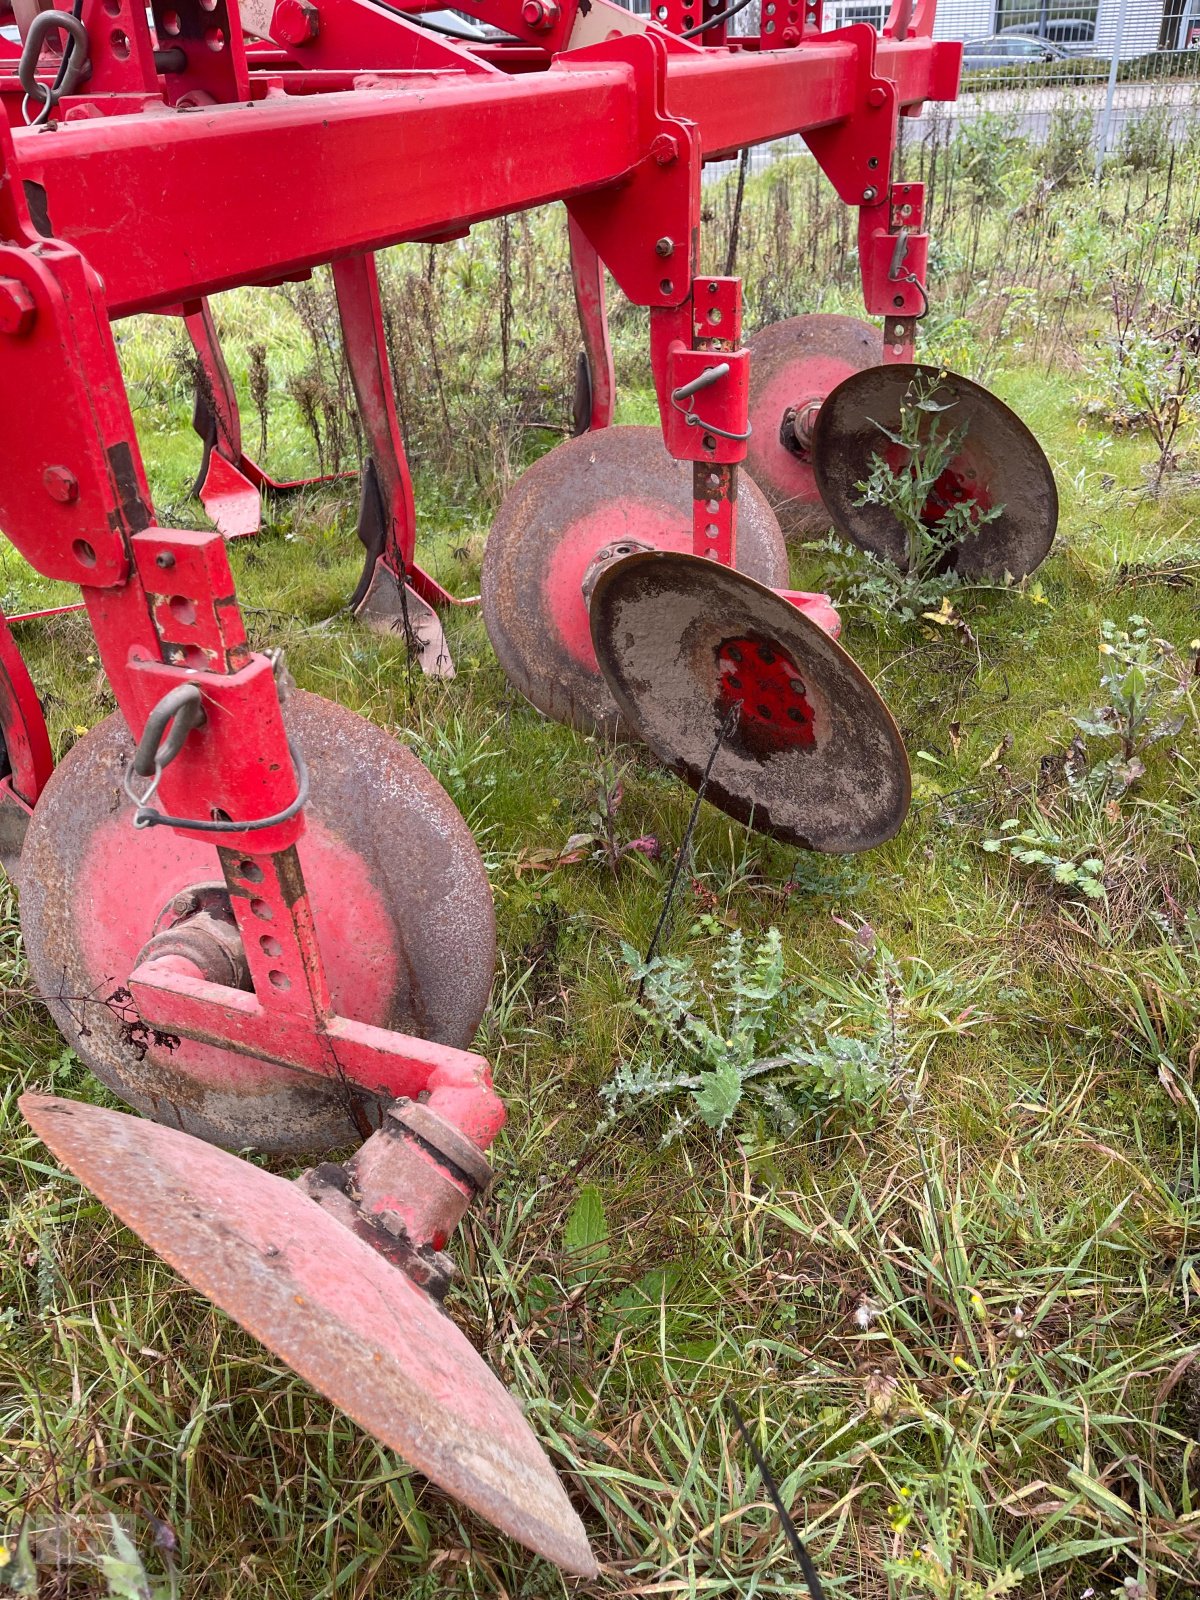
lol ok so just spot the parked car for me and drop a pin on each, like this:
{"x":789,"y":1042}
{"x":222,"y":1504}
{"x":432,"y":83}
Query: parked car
{"x":1009,"y":50}
{"x":1070,"y":32}
{"x":1074,"y":34}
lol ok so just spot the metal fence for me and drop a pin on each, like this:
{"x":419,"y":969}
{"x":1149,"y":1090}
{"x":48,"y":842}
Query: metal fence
{"x":1121,"y":76}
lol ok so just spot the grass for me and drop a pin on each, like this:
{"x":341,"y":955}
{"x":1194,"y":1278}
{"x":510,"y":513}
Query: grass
{"x":965,"y":1332}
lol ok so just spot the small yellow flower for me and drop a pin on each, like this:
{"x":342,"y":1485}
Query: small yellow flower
{"x":80,"y":731}
{"x":5,"y":1555}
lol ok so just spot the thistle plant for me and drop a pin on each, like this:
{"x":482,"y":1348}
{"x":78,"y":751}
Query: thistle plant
{"x":910,"y":491}
{"x":1144,"y":681}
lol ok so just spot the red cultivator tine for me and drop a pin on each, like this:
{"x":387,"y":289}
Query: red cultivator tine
{"x":26,"y":760}
{"x":331,"y":1306}
{"x":596,"y":382}
{"x":230,"y":484}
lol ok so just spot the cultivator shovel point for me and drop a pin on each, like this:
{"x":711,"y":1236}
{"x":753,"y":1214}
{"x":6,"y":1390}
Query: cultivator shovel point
{"x":396,"y":889}
{"x":735,"y":689}
{"x":794,"y":366}
{"x":584,"y":503}
{"x":339,"y":1274}
{"x":999,"y":466}
{"x":230,"y":484}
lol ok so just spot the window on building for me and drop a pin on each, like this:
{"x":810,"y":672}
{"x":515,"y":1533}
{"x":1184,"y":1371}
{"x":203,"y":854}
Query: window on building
{"x":842,"y":15}
{"x":1064,"y":22}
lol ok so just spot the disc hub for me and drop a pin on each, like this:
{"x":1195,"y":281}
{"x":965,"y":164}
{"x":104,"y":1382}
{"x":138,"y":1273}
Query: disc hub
{"x":604,"y":558}
{"x":406,"y":1190}
{"x":796,"y":428}
{"x":198,"y":927}
{"x":762,"y":680}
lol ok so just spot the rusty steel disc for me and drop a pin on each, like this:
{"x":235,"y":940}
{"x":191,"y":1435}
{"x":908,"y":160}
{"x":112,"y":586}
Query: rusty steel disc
{"x":331,"y":1307}
{"x":584,"y":496}
{"x":398,"y":890}
{"x":810,"y":755}
{"x":1000,"y":463}
{"x":793,"y":366}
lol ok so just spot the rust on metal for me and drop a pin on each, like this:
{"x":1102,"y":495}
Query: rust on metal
{"x":793,"y":366}
{"x":834,"y":778}
{"x":328,"y":1305}
{"x":400,"y":898}
{"x":1000,"y":463}
{"x":587,"y":494}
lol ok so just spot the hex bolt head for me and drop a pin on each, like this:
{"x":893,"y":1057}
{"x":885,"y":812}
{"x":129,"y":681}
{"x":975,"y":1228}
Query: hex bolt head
{"x":295,"y":22}
{"x":541,"y":15}
{"x":665,"y":247}
{"x":877,"y":97}
{"x":664,"y":147}
{"x":18,"y":312}
{"x":870,"y":193}
{"x":61,"y":484}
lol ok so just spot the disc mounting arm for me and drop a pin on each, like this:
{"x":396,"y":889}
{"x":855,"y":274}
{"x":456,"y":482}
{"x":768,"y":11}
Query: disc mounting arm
{"x":164,"y":611}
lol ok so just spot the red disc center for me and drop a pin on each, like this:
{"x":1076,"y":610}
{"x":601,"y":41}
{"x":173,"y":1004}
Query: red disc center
{"x":765,"y":682}
{"x":957,"y":482}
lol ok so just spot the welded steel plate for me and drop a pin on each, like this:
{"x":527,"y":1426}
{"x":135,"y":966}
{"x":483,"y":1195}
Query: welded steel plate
{"x":328,"y":1305}
{"x":584,"y":496}
{"x":399,"y":893}
{"x":811,"y":756}
{"x":1000,"y":464}
{"x":793,"y":366}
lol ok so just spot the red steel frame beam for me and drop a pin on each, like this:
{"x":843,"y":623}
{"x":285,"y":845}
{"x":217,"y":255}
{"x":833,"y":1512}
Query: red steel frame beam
{"x":228,"y":195}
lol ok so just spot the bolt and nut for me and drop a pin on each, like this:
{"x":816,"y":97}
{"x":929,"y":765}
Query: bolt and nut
{"x":295,"y":22}
{"x":18,"y":311}
{"x":540,"y":15}
{"x":61,"y":484}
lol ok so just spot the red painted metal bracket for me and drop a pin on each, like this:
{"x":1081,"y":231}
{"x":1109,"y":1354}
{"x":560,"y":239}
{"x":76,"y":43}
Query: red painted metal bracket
{"x":171,"y":996}
{"x":894,"y":261}
{"x":856,"y":153}
{"x":786,"y":23}
{"x":645,"y":230}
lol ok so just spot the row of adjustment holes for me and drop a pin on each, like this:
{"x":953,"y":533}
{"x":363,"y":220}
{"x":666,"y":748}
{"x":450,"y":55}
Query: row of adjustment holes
{"x":250,"y":872}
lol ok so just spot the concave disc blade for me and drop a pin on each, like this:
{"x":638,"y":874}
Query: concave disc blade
{"x":399,"y":893}
{"x":580,"y":498}
{"x":794,"y":365}
{"x":327,"y":1304}
{"x":812,"y":755}
{"x":1000,"y":463}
